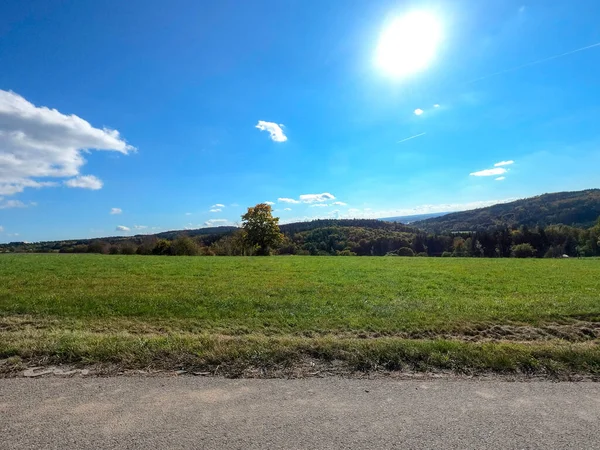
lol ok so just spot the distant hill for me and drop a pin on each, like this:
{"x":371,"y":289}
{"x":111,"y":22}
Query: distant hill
{"x":413,"y":218}
{"x":580,"y":209}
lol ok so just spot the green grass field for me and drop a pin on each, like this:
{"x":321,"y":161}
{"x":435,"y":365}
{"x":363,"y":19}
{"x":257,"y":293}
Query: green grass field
{"x":282,"y":313}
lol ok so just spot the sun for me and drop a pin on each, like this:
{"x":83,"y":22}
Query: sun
{"x":408,"y":44}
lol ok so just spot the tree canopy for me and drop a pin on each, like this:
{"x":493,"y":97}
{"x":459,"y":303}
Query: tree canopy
{"x":261,"y":229}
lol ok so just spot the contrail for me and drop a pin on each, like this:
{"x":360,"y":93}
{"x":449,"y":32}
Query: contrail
{"x":409,"y":138}
{"x":539,"y":61}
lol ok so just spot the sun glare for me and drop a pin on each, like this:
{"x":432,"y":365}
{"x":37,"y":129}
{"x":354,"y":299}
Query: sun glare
{"x":408,"y":44}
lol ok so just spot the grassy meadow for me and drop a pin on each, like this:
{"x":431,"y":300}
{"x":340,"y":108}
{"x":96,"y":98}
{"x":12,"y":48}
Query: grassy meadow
{"x":280,"y":314}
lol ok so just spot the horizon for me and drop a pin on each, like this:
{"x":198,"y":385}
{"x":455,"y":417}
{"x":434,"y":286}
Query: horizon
{"x":125,"y":119}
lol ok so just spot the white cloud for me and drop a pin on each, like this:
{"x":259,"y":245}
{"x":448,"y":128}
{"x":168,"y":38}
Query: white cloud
{"x":269,"y":203}
{"x":85,"y":182}
{"x":316,"y":198}
{"x":436,"y":105}
{"x":489,"y":172}
{"x":218,"y":205}
{"x":320,"y":205}
{"x":418,"y":112}
{"x":214,"y":210}
{"x":139,"y":227}
{"x":504,"y":163}
{"x":122,"y":228}
{"x":1,"y":229}
{"x":12,"y":204}
{"x":38,"y":142}
{"x":116,"y":211}
{"x":287,"y":200}
{"x":287,"y":209}
{"x":188,"y":214}
{"x":215,"y":222}
{"x":275,"y":130}
{"x":339,"y":203}
{"x":500,"y":178}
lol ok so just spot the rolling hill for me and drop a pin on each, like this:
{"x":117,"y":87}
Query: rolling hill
{"x":580,"y":209}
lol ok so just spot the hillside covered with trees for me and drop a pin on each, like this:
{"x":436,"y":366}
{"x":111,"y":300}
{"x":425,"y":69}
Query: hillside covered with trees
{"x":578,"y":209}
{"x":517,"y":229}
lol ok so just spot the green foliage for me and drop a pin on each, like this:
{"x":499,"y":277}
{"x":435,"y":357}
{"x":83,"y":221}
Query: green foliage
{"x":405,"y":251}
{"x":523,"y":251}
{"x":261,"y":229}
{"x":579,"y":209}
{"x":162,"y":247}
{"x":184,"y":246}
{"x":446,"y":254}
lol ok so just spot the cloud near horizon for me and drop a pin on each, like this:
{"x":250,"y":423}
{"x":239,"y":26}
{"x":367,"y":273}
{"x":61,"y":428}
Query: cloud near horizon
{"x":122,"y":228}
{"x":39,"y":142}
{"x":275,"y":131}
{"x":215,"y":222}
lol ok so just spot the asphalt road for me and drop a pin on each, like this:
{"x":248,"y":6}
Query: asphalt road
{"x":194,"y":412}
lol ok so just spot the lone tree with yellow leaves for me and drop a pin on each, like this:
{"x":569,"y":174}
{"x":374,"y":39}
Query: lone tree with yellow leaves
{"x":261,"y":229}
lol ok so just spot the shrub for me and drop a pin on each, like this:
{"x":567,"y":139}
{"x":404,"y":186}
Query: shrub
{"x":405,"y":251}
{"x":523,"y":251}
{"x":114,"y":250}
{"x":346,"y":252}
{"x":128,"y":249}
{"x":422,"y":254}
{"x":184,"y":246}
{"x":446,"y":255}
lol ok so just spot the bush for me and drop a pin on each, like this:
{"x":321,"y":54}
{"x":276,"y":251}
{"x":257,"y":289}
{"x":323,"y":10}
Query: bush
{"x":162,"y":247}
{"x":114,"y":250}
{"x":422,"y":254}
{"x":446,"y":255}
{"x":523,"y":251}
{"x":128,"y":249}
{"x":346,"y":253}
{"x":184,"y":246}
{"x":405,"y":251}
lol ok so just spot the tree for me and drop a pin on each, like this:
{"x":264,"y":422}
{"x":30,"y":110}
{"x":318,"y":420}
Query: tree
{"x":184,"y":246}
{"x":523,"y":251}
{"x":261,"y":229}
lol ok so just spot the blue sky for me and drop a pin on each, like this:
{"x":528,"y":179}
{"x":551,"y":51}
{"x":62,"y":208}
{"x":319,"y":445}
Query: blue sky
{"x":144,"y":115}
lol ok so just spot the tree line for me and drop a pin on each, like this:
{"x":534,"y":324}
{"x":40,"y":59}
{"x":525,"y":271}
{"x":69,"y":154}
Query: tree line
{"x":261,"y":234}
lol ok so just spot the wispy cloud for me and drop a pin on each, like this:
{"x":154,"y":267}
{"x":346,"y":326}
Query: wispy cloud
{"x":39,"y":142}
{"x":533,"y":63}
{"x":504,"y":163}
{"x":139,"y":227}
{"x":339,"y":203}
{"x":411,"y":137}
{"x":85,"y":182}
{"x":122,"y":228}
{"x":489,"y":172}
{"x":316,"y":198}
{"x":319,"y":205}
{"x":7,"y":204}
{"x":188,"y":214}
{"x":215,"y":222}
{"x":287,"y":209}
{"x":216,"y":210}
{"x":500,"y":179}
{"x":269,"y":203}
{"x":116,"y":211}
{"x":287,"y":200}
{"x":1,"y":229}
{"x":218,"y":205}
{"x":274,"y":130}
